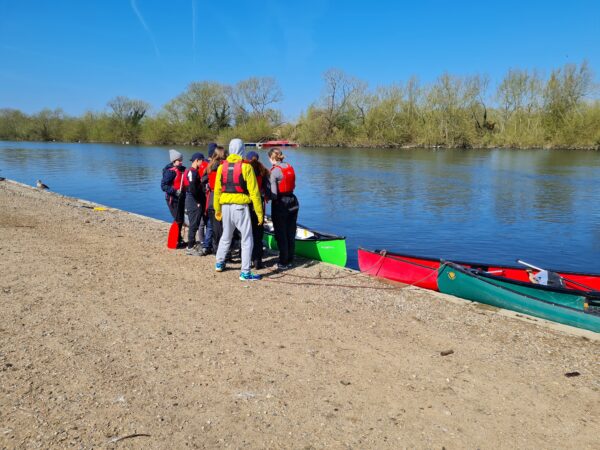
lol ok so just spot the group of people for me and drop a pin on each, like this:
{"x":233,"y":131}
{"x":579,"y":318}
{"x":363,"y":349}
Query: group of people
{"x":223,"y":198}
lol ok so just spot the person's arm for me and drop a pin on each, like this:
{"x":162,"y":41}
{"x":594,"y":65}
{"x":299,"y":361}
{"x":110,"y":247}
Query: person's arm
{"x":267,"y":188}
{"x":217,"y":192}
{"x":195,"y":187}
{"x":253,"y":192}
{"x":276,"y":175}
{"x":166,"y":183}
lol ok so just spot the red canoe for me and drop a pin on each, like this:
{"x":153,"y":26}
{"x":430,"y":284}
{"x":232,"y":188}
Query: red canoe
{"x":422,"y":272}
{"x":277,"y":144}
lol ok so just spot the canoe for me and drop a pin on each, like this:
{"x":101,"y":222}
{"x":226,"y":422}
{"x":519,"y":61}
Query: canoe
{"x":566,"y":306}
{"x":422,"y":271}
{"x":269,"y":144}
{"x":312,"y":244}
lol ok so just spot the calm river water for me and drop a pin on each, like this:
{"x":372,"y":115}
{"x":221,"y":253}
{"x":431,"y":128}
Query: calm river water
{"x":542,"y":206}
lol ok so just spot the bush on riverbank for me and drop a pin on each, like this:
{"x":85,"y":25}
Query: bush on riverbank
{"x":524,"y":110}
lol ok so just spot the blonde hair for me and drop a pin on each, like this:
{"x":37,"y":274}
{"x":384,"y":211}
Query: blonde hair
{"x":276,"y":154}
{"x":219,"y":155}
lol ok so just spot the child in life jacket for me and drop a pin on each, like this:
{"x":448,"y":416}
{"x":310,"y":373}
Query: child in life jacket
{"x":209,"y":178}
{"x":195,"y":199}
{"x":264,"y":188}
{"x":172,"y":186}
{"x":235,"y":189}
{"x":284,"y":207}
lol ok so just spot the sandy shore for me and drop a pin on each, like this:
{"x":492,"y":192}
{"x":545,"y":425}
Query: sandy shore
{"x":106,"y":334}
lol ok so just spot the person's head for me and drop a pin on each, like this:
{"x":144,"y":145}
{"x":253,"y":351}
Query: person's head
{"x":276,"y":155}
{"x":259,"y":168}
{"x":211,"y":149}
{"x":196,"y":159}
{"x":236,"y":147}
{"x":175,"y":157}
{"x":219,"y":154}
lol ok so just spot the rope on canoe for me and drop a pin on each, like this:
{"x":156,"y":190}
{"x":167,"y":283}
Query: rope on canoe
{"x":351,"y":274}
{"x":382,"y":288}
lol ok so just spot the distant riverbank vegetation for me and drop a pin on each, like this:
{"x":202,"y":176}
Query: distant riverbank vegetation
{"x":522,"y":110}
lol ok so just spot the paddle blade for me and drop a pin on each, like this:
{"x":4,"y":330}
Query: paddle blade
{"x":173,"y":238}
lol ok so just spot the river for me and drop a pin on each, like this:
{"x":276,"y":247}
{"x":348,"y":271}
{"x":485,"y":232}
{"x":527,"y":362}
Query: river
{"x":542,"y":206}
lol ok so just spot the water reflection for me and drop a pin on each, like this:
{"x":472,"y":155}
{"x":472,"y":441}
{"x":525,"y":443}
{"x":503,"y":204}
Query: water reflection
{"x":492,"y":205}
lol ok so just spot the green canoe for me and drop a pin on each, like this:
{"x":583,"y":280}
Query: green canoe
{"x":557,"y":304}
{"x":312,"y":244}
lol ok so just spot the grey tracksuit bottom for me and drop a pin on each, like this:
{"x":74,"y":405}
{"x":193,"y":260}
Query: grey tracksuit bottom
{"x":236,"y":216}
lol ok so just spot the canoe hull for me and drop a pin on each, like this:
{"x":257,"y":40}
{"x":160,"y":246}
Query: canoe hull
{"x":562,"y":307}
{"x":412,"y":269}
{"x":416,"y":271}
{"x":332,"y":251}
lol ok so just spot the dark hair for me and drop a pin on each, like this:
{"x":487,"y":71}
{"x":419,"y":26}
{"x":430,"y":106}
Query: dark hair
{"x":259,"y":168}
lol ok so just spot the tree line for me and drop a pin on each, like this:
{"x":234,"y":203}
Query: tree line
{"x":524,"y":109}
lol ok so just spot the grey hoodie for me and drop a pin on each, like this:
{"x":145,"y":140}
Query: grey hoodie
{"x":236,"y":147}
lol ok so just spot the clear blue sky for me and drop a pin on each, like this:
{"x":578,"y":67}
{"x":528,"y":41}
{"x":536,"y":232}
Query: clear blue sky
{"x":79,"y":54}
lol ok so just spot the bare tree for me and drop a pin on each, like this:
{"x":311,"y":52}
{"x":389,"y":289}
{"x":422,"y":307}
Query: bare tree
{"x":128,"y":114}
{"x":339,"y":93}
{"x":256,"y":96}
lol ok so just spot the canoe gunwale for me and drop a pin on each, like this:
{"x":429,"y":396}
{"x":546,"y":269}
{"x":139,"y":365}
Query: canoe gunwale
{"x":473,"y":274}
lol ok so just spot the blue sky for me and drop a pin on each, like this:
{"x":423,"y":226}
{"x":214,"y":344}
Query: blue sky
{"x":79,"y":54}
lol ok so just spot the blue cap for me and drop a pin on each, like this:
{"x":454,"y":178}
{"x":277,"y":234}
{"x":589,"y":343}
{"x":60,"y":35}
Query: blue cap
{"x":251,"y":155}
{"x":196,"y":156}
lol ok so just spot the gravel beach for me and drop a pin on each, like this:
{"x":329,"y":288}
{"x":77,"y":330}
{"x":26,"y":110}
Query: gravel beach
{"x":110,"y":340}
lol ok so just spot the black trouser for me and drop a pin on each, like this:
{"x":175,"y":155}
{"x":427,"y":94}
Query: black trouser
{"x":217,"y":229}
{"x":177,"y":209}
{"x":284,"y":213}
{"x":258,"y":232}
{"x":194,"y":213}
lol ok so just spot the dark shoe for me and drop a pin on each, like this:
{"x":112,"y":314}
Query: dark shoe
{"x":281,"y":266}
{"x":258,"y":264}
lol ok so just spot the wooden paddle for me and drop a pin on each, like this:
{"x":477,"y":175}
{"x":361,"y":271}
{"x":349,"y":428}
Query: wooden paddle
{"x":173,"y":238}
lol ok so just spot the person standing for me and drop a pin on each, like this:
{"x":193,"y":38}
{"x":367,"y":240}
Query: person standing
{"x":284,"y":207}
{"x":194,"y":201}
{"x":172,"y":186}
{"x":264,"y":188}
{"x":206,"y":233}
{"x":235,"y":189}
{"x":209,"y":178}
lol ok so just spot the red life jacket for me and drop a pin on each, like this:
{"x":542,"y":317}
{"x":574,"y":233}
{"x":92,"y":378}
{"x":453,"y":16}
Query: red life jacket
{"x":287,"y":184}
{"x":232,"y":181}
{"x":186,"y":177}
{"x":259,"y":181}
{"x":202,"y":168}
{"x":178,"y":178}
{"x":212,"y":178}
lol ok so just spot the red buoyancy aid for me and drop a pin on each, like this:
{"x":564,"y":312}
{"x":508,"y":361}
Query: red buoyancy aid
{"x":232,"y":181}
{"x":259,"y":181}
{"x":287,"y":184}
{"x":179,"y":177}
{"x":186,"y":177}
{"x":212,"y":178}
{"x":202,"y":167}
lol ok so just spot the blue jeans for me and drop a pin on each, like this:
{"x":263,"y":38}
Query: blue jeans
{"x":208,"y":234}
